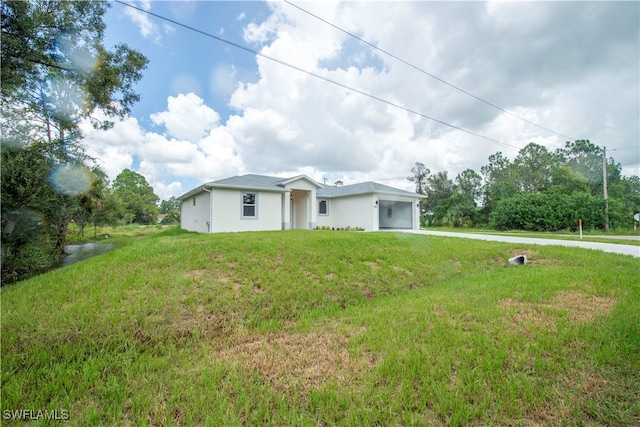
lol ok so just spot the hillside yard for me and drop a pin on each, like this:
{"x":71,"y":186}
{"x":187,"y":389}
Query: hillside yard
{"x":325,"y":328}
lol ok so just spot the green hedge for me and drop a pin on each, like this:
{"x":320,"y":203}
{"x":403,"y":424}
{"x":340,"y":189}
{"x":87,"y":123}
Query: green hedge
{"x":552,"y":212}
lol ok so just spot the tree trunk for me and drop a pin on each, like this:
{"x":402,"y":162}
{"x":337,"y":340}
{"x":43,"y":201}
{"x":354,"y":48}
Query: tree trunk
{"x":61,"y":238}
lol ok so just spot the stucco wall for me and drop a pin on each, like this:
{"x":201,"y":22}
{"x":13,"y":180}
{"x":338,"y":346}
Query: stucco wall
{"x":195,"y":217}
{"x":227,"y":211}
{"x":355,"y":211}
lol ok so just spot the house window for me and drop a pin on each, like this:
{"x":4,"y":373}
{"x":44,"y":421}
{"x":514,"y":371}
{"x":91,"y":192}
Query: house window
{"x":249,"y":205}
{"x":323,"y":207}
{"x":389,"y":212}
{"x":194,"y":201}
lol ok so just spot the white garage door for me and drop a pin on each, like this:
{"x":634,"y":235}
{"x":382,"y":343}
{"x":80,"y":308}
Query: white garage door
{"x":396,"y":214}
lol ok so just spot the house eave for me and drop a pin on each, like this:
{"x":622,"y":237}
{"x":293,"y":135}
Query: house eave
{"x":296,"y":178}
{"x":382,"y":193}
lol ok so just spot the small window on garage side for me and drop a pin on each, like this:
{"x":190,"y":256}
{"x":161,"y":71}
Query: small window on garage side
{"x":249,"y":205}
{"x":389,"y":214}
{"x":194,"y":201}
{"x":323,"y":207}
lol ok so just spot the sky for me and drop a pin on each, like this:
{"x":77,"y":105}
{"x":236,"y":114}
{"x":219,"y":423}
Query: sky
{"x":211,"y":110}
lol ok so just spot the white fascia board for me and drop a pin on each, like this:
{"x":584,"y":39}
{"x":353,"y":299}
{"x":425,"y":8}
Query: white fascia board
{"x":192,"y":192}
{"x":247,"y":188}
{"x":382,"y":193}
{"x":305,"y":177}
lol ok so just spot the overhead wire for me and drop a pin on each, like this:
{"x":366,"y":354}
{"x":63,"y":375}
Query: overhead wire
{"x":623,"y":148}
{"x":318,"y":76}
{"x":426,"y":72}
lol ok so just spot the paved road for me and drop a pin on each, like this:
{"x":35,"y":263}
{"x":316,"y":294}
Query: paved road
{"x":606,"y":247}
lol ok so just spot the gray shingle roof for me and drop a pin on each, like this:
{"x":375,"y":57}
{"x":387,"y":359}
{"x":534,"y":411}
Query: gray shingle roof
{"x":273,"y":183}
{"x":362,"y":188}
{"x":262,"y":182}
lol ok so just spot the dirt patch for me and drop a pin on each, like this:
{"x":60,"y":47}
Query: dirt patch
{"x":299,"y":362}
{"x":203,"y":273}
{"x":578,"y":306}
{"x":582,"y":307}
{"x":402,"y":270}
{"x":193,"y":274}
{"x":372,"y":264}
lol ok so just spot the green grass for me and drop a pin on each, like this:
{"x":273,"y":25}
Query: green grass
{"x":326,"y":328}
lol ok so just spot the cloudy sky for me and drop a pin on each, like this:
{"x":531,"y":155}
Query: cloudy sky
{"x":210,"y":109}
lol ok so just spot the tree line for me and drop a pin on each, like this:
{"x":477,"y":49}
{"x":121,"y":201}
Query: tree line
{"x":538,"y":191}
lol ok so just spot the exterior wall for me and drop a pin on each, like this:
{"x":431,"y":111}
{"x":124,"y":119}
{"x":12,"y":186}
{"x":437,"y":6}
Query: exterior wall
{"x":227,"y":211}
{"x":195,"y":218}
{"x":355,"y":211}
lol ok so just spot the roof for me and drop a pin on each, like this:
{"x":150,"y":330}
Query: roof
{"x":277,"y":184}
{"x":257,"y":182}
{"x":363,"y":188}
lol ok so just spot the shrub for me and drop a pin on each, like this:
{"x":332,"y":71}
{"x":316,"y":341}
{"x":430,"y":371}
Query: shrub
{"x":549,"y":212}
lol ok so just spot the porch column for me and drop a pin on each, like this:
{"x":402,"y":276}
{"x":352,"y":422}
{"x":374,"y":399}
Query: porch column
{"x":286,"y":210}
{"x":312,"y":208}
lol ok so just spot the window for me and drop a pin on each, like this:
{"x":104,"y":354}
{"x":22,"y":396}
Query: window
{"x":389,"y":212}
{"x":194,"y":201}
{"x":323,"y":207}
{"x":249,"y":205}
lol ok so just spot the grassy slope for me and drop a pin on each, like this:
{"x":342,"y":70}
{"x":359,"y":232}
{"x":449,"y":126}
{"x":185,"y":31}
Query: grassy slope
{"x":312,"y":328}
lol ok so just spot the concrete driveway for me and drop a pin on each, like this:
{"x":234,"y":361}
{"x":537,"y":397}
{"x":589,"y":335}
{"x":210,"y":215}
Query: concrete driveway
{"x":606,"y":247}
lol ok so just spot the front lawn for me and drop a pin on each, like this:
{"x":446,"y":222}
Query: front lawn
{"x":325,"y":328}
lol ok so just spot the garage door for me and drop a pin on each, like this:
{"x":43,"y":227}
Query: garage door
{"x":396,"y":214}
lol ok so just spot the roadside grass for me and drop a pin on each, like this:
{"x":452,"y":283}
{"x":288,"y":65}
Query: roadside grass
{"x":326,"y":328}
{"x":588,"y":235}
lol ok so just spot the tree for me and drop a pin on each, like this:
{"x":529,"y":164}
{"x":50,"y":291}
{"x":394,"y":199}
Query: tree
{"x":140,"y":202}
{"x":35,"y":214}
{"x":92,"y":202}
{"x":168,"y":206}
{"x":439,"y":189}
{"x":499,"y":180}
{"x":533,"y":168}
{"x":172,"y":209}
{"x":55,"y":69}
{"x":419,"y":176}
{"x":55,"y":72}
{"x":469,"y":184}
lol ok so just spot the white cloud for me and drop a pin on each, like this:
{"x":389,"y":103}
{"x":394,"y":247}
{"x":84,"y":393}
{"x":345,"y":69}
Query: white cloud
{"x":148,"y":29}
{"x":115,"y":148}
{"x":578,"y":79}
{"x":196,"y":148}
{"x":187,"y":117}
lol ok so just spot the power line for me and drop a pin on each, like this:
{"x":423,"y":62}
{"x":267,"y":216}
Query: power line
{"x":427,"y":73}
{"x":624,"y":148}
{"x":318,"y":76}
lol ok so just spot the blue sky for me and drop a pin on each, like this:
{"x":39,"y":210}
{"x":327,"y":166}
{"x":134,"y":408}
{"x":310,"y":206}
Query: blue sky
{"x":210,"y":110}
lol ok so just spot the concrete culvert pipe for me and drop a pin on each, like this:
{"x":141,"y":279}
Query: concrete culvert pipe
{"x":518,"y":260}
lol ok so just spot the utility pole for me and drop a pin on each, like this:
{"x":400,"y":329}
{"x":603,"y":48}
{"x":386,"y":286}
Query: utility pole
{"x":604,"y":182}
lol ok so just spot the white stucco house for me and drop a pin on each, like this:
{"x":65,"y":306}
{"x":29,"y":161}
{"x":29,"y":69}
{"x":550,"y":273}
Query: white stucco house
{"x":258,"y":202}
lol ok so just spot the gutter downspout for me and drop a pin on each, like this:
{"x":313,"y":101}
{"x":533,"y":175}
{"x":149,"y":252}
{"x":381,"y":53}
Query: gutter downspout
{"x":210,"y":222}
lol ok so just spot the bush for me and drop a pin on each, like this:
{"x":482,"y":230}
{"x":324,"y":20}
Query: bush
{"x":549,"y":212}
